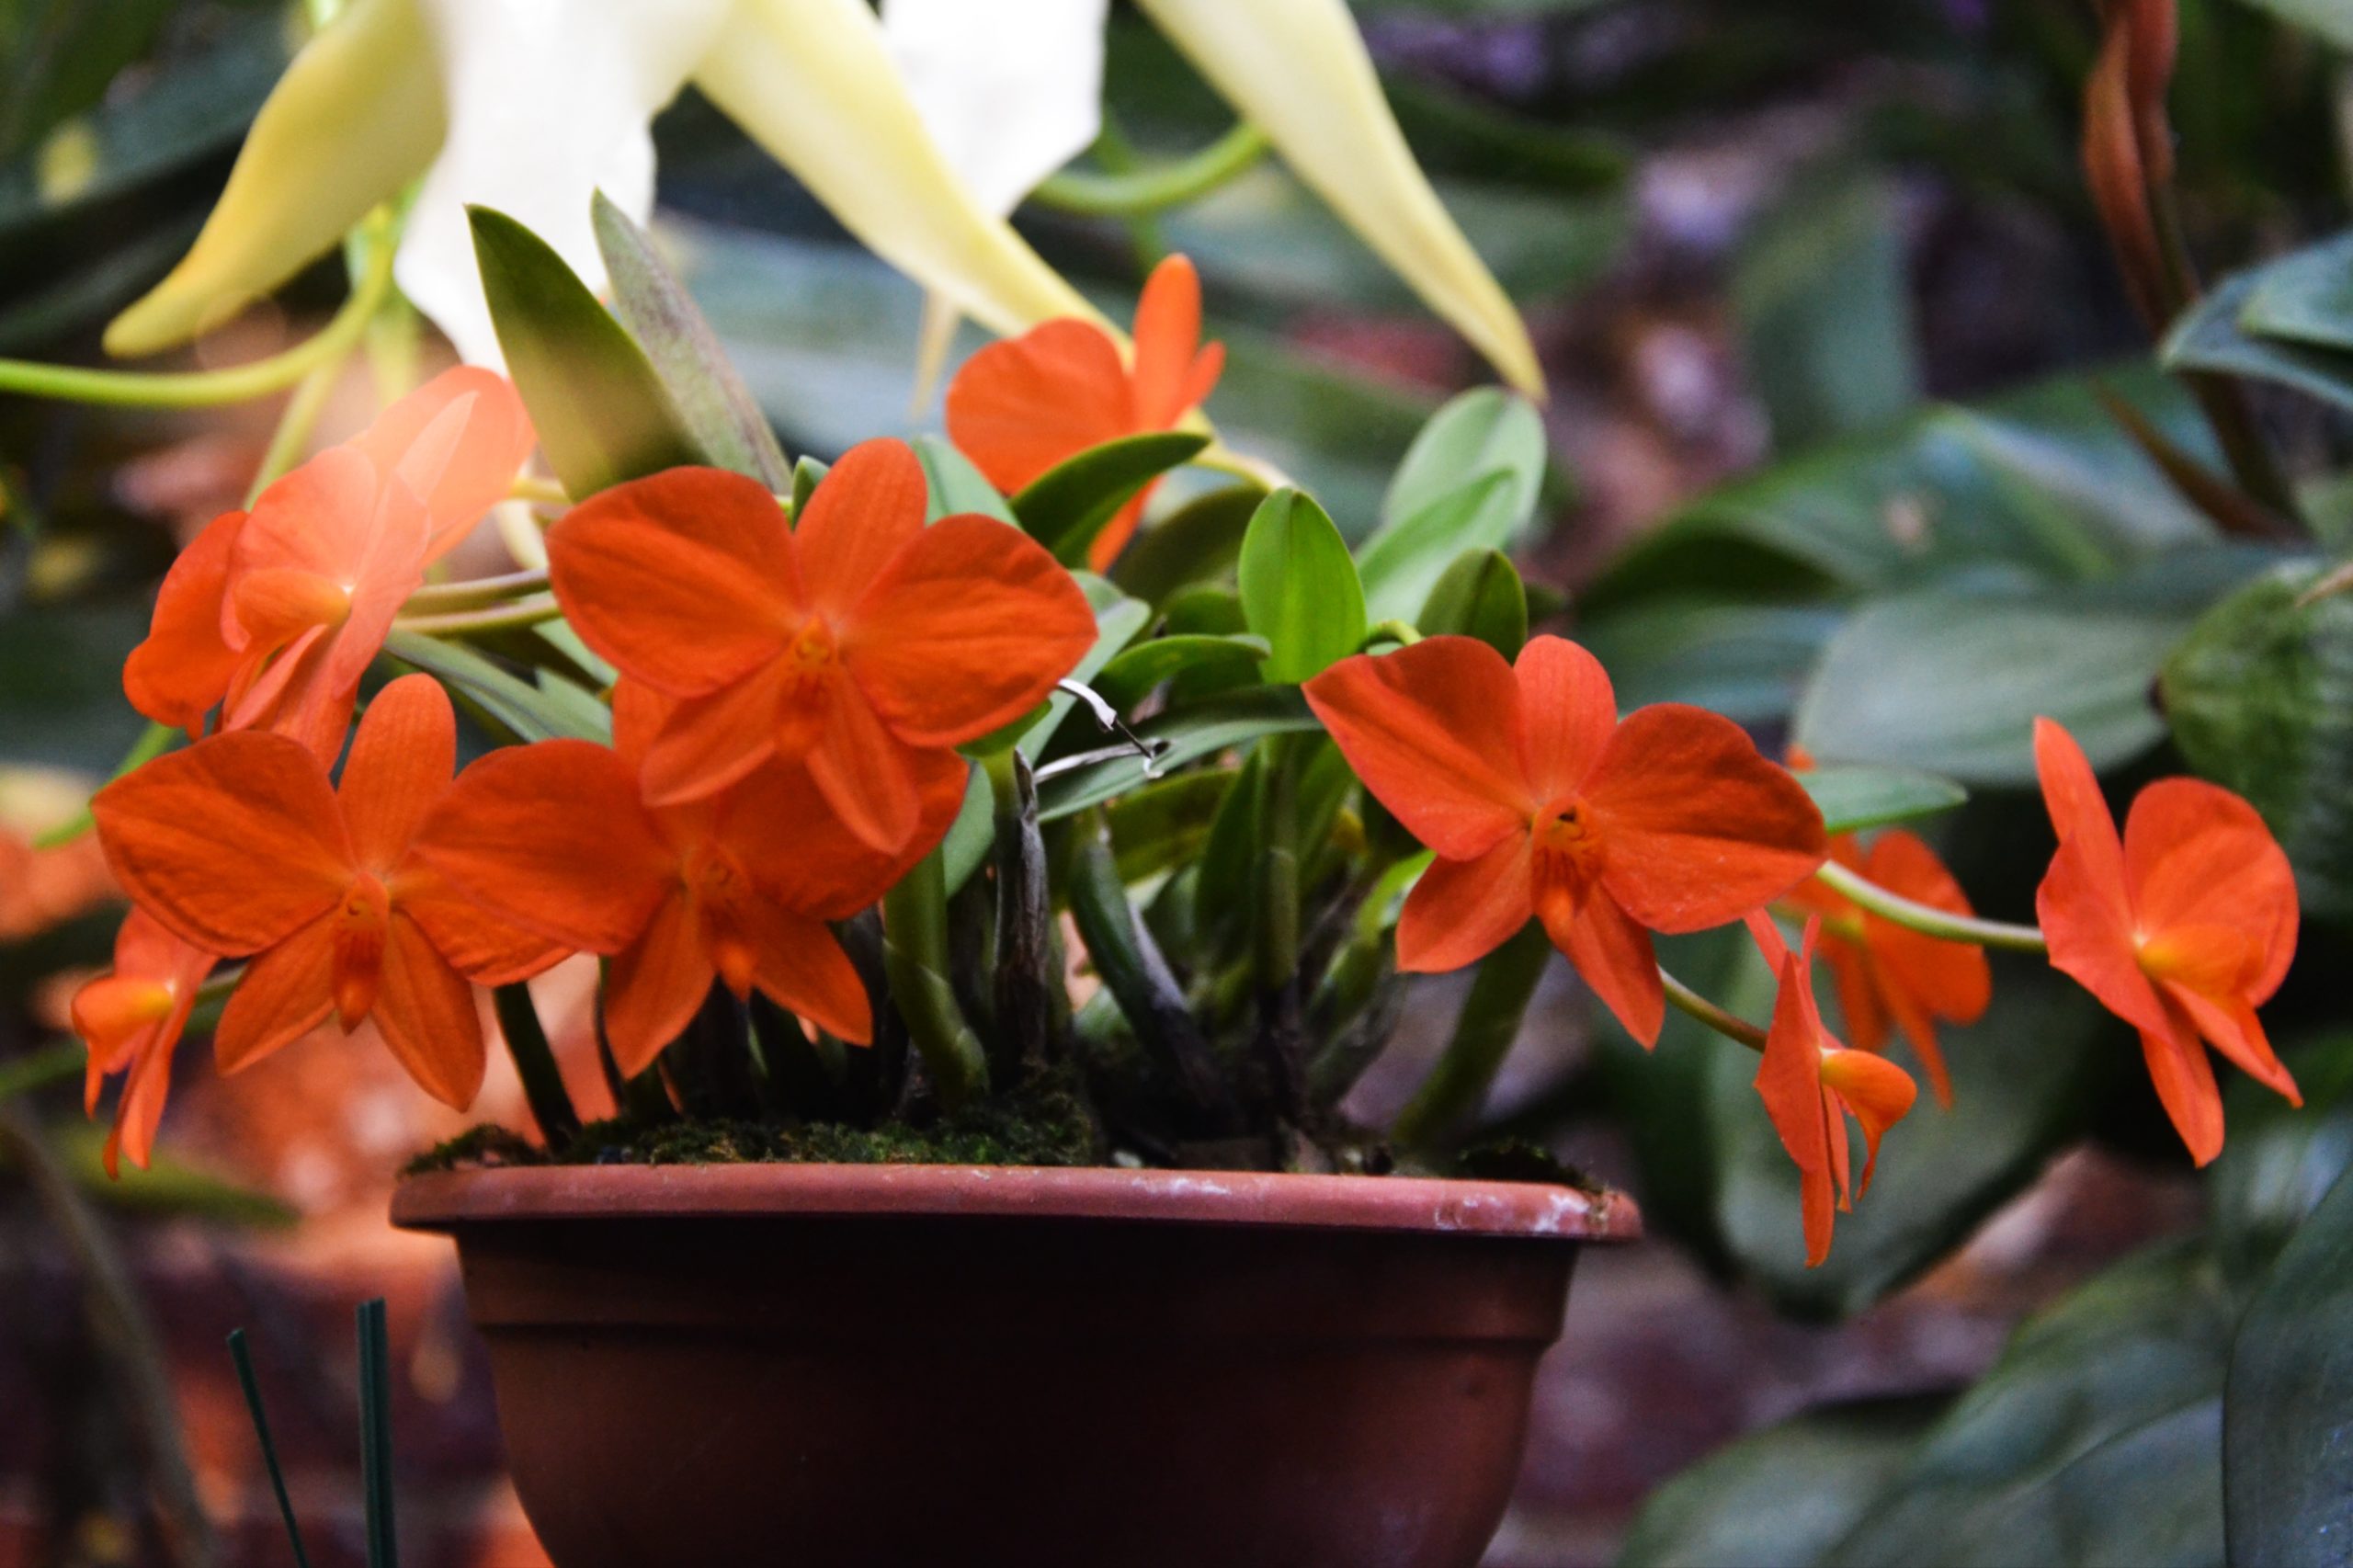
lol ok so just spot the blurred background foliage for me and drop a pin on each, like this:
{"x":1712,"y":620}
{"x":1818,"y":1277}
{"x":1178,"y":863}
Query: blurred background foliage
{"x":1838,"y":352}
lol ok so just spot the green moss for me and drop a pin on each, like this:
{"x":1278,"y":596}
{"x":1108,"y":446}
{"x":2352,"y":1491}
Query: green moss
{"x":1045,"y":1123}
{"x":478,"y":1148}
{"x":1517,"y":1159}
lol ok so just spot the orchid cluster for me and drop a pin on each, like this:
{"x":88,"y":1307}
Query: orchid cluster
{"x":885,"y":788}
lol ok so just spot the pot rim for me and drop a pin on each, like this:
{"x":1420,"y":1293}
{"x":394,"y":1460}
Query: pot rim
{"x":447,"y":1201}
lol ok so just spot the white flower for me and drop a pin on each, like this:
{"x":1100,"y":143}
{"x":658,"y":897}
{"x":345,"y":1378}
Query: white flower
{"x":530,"y":106}
{"x":1012,"y":89}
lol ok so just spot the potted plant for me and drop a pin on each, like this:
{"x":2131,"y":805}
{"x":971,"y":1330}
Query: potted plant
{"x":994,"y":910}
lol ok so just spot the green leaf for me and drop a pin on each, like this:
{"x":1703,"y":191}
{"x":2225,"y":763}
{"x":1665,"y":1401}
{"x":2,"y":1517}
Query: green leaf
{"x":2041,"y":484}
{"x":1747,"y":662}
{"x":2286,"y":1467}
{"x":1821,"y":293}
{"x":1470,"y":481}
{"x":1163,"y":825}
{"x":1201,"y":729}
{"x":972,"y":834}
{"x":522,"y":709}
{"x":2094,"y":1439}
{"x":1952,"y":681}
{"x":1783,"y":1496}
{"x":1131,"y":677}
{"x":600,"y":407}
{"x":807,"y":474}
{"x":1856,"y":797}
{"x":2281,"y":1159}
{"x":2289,"y":320}
{"x":1067,"y":506}
{"x":956,"y":485}
{"x":709,"y":396}
{"x":168,"y":1188}
{"x":1480,"y":595}
{"x":1199,"y":540}
{"x":2329,"y":18}
{"x":2260,"y":697}
{"x":1298,"y":587}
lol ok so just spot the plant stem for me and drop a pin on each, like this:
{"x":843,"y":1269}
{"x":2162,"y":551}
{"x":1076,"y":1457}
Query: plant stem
{"x":1143,"y":191}
{"x":1483,"y":1032}
{"x":1930,"y":921}
{"x":1395,"y":631}
{"x":205,"y":388}
{"x":1728,"y":1025}
{"x":532,"y":611}
{"x":527,"y":1042}
{"x":914,"y":954}
{"x":436,"y":598}
{"x":1025,"y":972}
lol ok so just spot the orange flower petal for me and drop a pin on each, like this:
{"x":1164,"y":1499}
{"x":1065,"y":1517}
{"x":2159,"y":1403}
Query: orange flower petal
{"x":1878,"y":1094}
{"x":284,"y":995}
{"x":703,"y":744}
{"x":183,"y":668}
{"x":1789,"y":1080}
{"x":1021,"y":406}
{"x":2196,"y":854}
{"x":2090,"y":931}
{"x":654,"y":987}
{"x":457,"y":443}
{"x":1611,"y":954}
{"x":967,"y":628}
{"x":1949,"y":979}
{"x":803,"y":969}
{"x":1462,"y":910}
{"x":1696,"y":828}
{"x":2235,"y":1030}
{"x":478,"y":944}
{"x":685,"y":580}
{"x":869,"y":506}
{"x":2185,"y":1086}
{"x":1567,"y":712}
{"x":780,"y":826}
{"x":865,"y":773}
{"x":402,"y":760}
{"x":551,"y":837}
{"x":425,"y":1012}
{"x":233,"y":843}
{"x":1433,"y":731}
{"x":2079,"y":813}
{"x":1107,"y":545}
{"x":1167,"y":345}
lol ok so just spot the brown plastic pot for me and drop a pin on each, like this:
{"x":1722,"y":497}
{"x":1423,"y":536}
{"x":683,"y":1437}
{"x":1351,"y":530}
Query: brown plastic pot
{"x":932,"y":1366}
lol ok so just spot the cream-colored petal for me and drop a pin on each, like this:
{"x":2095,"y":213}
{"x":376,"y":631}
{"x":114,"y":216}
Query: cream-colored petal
{"x":812,"y":82}
{"x":1011,"y":91}
{"x":357,"y":116}
{"x":1297,"y":70}
{"x":549,"y":102}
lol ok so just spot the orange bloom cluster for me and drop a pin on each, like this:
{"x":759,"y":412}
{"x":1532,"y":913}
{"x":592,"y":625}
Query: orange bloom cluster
{"x":1811,"y":1084}
{"x":1541,"y":802}
{"x":2182,"y":927}
{"x":784,"y":735}
{"x":1020,"y":407}
{"x":241,"y":847}
{"x":272,"y":616}
{"x":853,"y":643}
{"x":558,"y":839}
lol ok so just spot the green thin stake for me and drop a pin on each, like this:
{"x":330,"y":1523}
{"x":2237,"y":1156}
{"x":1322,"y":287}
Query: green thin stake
{"x":376,"y":1434}
{"x":245,"y":1360}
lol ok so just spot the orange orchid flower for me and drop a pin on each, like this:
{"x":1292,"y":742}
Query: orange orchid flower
{"x":2181,"y":927}
{"x":1890,"y":977}
{"x":1020,"y":407}
{"x":131,"y":1020}
{"x":556,"y":837}
{"x":240,"y":846}
{"x":855,"y":641}
{"x":273,"y":615}
{"x":1811,"y":1084}
{"x":1541,"y":802}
